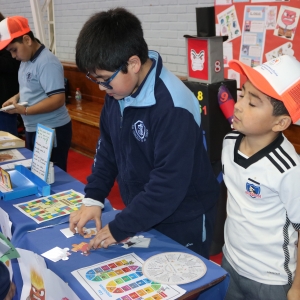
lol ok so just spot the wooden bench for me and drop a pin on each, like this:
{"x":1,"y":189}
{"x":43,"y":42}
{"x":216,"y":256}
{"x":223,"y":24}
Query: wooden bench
{"x":85,"y":120}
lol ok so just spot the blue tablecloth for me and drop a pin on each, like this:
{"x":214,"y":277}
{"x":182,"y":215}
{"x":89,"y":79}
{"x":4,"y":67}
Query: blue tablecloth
{"x":212,"y":286}
{"x":21,"y":223}
{"x":43,"y":240}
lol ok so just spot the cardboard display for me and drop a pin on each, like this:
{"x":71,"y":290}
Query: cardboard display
{"x":204,"y":58}
{"x":25,"y":183}
{"x":9,"y":141}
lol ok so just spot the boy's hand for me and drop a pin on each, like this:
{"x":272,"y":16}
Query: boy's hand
{"x":102,"y":238}
{"x":83,"y":215}
{"x":13,"y":100}
{"x":11,"y":292}
{"x":293,"y":294}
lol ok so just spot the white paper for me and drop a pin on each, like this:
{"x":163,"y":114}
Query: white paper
{"x":42,"y":151}
{"x":227,"y":53}
{"x":271,"y":17}
{"x":55,"y":254}
{"x":5,"y":224}
{"x":9,"y":155}
{"x":31,"y":265}
{"x":284,"y":49}
{"x":39,"y":281}
{"x":235,"y":76}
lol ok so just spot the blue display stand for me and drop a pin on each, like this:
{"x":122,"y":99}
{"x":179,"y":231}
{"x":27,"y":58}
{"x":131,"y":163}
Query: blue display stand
{"x":25,"y":183}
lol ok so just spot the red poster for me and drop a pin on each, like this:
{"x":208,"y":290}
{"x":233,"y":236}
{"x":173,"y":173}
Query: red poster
{"x":198,"y":60}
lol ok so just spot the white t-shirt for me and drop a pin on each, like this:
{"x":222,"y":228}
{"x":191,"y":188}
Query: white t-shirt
{"x":263,"y":210}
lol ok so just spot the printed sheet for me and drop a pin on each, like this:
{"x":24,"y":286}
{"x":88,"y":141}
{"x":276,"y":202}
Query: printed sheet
{"x":50,"y":207}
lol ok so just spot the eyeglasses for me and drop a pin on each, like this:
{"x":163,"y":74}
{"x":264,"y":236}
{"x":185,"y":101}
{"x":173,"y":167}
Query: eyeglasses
{"x":105,"y":83}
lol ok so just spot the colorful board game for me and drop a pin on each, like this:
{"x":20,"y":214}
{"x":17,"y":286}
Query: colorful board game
{"x":122,"y":279}
{"x":47,"y":208}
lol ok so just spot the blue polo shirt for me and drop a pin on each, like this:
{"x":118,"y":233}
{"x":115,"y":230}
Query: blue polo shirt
{"x":40,"y":78}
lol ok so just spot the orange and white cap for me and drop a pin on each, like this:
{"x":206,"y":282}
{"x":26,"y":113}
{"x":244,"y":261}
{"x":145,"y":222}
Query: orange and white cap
{"x":11,"y":28}
{"x":278,"y":78}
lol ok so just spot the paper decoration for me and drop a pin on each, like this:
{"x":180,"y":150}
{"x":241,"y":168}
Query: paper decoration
{"x":40,"y":282}
{"x":5,"y":224}
{"x":287,"y":22}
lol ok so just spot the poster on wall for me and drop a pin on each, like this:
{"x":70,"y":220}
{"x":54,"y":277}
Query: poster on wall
{"x":253,"y":36}
{"x":287,"y":22}
{"x":268,"y":29}
{"x":229,"y":24}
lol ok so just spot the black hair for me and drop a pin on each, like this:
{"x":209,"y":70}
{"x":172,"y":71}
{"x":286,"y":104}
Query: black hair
{"x":108,"y":39}
{"x":1,"y":17}
{"x":278,"y":107}
{"x":20,"y":38}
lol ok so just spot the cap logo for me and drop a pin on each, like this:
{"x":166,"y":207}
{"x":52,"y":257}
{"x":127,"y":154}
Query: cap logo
{"x":274,"y":61}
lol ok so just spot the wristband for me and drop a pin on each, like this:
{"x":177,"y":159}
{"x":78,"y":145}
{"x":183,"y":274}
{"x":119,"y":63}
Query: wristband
{"x":26,"y":110}
{"x":92,"y":202}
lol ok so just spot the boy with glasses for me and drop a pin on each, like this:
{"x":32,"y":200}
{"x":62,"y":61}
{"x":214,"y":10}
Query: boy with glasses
{"x":150,"y":140}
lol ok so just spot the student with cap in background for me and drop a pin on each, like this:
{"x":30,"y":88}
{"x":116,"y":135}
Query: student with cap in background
{"x":41,"y":84}
{"x":261,"y":170}
{"x":9,"y":86}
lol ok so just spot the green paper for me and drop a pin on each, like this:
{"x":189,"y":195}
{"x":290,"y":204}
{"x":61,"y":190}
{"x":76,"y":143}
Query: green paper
{"x":11,"y":253}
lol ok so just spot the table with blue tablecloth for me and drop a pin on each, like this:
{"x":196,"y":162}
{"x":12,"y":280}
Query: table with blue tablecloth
{"x":213,"y":285}
{"x":20,"y":222}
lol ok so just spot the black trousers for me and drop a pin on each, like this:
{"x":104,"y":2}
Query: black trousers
{"x":59,"y":154}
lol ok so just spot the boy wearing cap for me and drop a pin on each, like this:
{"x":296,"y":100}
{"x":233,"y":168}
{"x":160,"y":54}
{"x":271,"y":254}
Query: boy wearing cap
{"x":151,"y":140}
{"x":261,"y":170}
{"x":41,"y":84}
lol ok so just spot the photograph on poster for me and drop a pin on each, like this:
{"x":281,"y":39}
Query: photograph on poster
{"x":253,"y":35}
{"x":271,"y":17}
{"x":229,"y":23}
{"x":287,"y":22}
{"x":286,"y":48}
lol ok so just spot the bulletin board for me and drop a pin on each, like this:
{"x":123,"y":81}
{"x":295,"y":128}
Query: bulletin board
{"x":257,"y":31}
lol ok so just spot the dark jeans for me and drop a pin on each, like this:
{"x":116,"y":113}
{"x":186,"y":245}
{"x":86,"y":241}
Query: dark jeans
{"x":9,"y":123}
{"x":59,"y":154}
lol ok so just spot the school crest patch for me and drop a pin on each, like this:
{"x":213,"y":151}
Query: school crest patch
{"x":140,"y":131}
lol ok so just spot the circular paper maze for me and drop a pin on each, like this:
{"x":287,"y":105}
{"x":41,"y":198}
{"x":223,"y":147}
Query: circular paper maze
{"x":174,"y":268}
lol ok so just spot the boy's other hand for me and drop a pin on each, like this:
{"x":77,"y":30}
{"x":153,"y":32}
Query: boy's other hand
{"x":293,"y":294}
{"x":83,"y":215}
{"x":103,"y":239}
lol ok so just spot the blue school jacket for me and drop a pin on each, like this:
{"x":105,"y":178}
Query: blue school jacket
{"x":152,"y":143}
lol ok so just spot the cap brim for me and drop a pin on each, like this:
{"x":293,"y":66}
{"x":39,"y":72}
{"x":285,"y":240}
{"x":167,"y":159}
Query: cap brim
{"x":4,"y":44}
{"x":259,"y":81}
